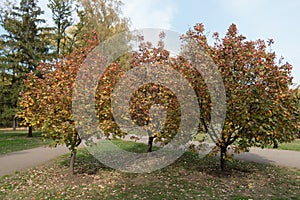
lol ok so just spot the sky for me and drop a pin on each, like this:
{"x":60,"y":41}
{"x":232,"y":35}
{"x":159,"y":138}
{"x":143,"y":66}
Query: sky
{"x":256,"y":19}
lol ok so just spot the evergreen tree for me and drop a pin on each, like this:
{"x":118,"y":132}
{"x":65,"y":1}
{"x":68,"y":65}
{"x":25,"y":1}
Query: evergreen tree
{"x":25,"y":36}
{"x":24,"y":45}
{"x":62,"y":17}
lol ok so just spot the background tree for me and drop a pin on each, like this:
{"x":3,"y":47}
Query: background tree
{"x":261,"y":107}
{"x":9,"y":91}
{"x":62,"y":16}
{"x":298,"y":93}
{"x":24,"y":43}
{"x":101,"y":16}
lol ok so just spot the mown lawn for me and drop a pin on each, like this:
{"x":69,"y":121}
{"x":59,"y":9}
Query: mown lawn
{"x":293,"y":146}
{"x":188,"y":178}
{"x":11,"y":141}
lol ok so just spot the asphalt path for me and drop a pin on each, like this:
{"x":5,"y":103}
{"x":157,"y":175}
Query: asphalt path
{"x":21,"y":160}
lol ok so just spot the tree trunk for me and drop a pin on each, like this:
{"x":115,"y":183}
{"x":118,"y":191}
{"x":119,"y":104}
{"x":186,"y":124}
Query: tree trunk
{"x":275,"y":144}
{"x":59,"y":38}
{"x":72,"y":161}
{"x":30,"y":132}
{"x":15,"y":124}
{"x":150,"y":143}
{"x":223,"y":158}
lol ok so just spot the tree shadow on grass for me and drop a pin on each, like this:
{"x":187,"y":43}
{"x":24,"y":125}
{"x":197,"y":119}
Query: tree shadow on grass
{"x":242,"y":165}
{"x":85,"y":163}
{"x":211,"y":165}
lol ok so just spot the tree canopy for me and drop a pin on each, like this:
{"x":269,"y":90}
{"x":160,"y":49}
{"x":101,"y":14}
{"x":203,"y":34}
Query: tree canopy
{"x":262,"y":107}
{"x":23,"y":45}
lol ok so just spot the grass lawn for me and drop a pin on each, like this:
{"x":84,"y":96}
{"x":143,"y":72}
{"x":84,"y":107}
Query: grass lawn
{"x":293,"y":146}
{"x":188,"y":178}
{"x":11,"y":141}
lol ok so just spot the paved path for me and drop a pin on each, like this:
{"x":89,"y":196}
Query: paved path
{"x":272,"y":156}
{"x":16,"y":161}
{"x":20,"y":160}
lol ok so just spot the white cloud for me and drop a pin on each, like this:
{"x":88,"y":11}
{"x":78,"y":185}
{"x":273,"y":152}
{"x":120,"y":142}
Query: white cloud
{"x":150,"y":13}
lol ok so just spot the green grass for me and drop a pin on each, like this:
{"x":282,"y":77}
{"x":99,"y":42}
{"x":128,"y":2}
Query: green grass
{"x":11,"y":141}
{"x":132,"y":146}
{"x":293,"y":146}
{"x":190,"y":177}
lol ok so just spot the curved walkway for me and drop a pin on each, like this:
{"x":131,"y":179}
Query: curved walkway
{"x":16,"y":161}
{"x":20,"y":160}
{"x":272,"y":156}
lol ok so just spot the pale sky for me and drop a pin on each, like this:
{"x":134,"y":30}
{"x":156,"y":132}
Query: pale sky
{"x":256,"y":19}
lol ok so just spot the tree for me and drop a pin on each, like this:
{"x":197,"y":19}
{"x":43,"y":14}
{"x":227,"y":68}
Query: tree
{"x":261,"y":107}
{"x":102,"y":16}
{"x":161,"y":125}
{"x":298,"y":93}
{"x":62,"y":17}
{"x":47,"y":100}
{"x":25,"y":37}
{"x":8,"y":96}
{"x":24,"y":46}
{"x":9,"y":92}
{"x":46,"y":103}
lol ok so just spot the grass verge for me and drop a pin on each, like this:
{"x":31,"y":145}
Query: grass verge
{"x":11,"y":141}
{"x":293,"y":146}
{"x":188,"y":178}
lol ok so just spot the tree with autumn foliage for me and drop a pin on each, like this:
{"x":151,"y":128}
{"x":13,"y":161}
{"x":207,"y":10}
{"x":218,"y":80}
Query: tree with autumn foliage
{"x":261,"y":106}
{"x":46,"y":103}
{"x":159,"y":127}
